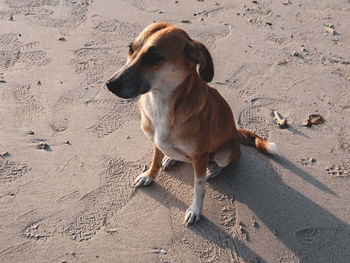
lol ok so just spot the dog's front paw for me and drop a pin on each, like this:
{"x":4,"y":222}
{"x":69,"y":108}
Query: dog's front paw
{"x":168,"y":164}
{"x":142,"y":180}
{"x":193,"y":214}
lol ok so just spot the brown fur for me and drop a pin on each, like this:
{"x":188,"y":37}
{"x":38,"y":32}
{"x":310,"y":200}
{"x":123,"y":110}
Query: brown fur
{"x":199,"y":124}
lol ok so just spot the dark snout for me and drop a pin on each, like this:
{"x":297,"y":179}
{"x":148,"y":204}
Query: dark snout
{"x":127,"y":83}
{"x":117,"y":84}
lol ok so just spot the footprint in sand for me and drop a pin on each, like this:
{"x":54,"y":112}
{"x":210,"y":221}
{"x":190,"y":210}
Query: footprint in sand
{"x":126,"y":31}
{"x":28,"y":107}
{"x":320,"y":243}
{"x":256,"y":119}
{"x":339,"y":170}
{"x":343,"y":141}
{"x":51,"y":13}
{"x":9,"y":50}
{"x":116,"y":112}
{"x":12,"y":170}
{"x":114,"y":192}
{"x":36,"y":231}
{"x":307,"y":161}
{"x":210,"y":35}
{"x":13,"y":51}
{"x":59,"y":124}
{"x":95,"y":208}
{"x":91,"y":63}
{"x":314,"y":236}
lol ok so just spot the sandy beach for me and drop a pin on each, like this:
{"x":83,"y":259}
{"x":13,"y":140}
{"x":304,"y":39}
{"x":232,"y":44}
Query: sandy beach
{"x":70,"y":149}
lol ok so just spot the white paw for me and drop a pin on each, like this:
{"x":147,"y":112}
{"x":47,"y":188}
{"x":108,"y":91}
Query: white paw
{"x":193,"y":214}
{"x":142,"y":180}
{"x":213,"y":172}
{"x":168,"y":163}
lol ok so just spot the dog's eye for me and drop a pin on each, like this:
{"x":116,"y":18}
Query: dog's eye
{"x":131,"y":50}
{"x":152,"y":57}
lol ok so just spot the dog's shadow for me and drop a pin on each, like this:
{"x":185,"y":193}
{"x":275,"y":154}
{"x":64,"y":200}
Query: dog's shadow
{"x":312,"y":233}
{"x":206,"y":229}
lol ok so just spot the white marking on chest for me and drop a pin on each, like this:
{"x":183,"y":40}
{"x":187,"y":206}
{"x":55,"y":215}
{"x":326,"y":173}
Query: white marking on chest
{"x":157,"y":110}
{"x":156,"y":107}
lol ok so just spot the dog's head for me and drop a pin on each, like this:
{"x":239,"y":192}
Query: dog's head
{"x":161,"y":57}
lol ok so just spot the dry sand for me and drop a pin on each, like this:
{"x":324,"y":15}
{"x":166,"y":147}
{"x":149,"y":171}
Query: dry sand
{"x":74,"y":201}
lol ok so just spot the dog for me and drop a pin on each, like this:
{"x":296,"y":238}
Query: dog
{"x":185,"y":118}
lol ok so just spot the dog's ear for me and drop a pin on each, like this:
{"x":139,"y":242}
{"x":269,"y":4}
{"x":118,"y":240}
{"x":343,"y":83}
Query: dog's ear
{"x":199,"y":54}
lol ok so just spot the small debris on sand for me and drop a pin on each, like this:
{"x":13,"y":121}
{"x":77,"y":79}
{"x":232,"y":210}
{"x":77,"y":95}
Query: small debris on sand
{"x":43,"y":146}
{"x":62,"y":39}
{"x":297,"y":54}
{"x":282,"y":62}
{"x":160,"y":251}
{"x":4,"y":154}
{"x":330,"y":29}
{"x":111,"y":229}
{"x":314,"y":119}
{"x":282,"y":122}
{"x":307,"y":123}
{"x":253,"y":222}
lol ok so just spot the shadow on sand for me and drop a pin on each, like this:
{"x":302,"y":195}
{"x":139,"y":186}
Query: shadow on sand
{"x":312,"y":233}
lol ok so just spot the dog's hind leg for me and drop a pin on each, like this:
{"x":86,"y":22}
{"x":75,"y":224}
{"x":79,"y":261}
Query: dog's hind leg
{"x":147,"y":177}
{"x":168,"y":163}
{"x":230,"y":152}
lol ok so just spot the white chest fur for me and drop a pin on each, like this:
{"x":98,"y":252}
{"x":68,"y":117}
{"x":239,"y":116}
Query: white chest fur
{"x":156,"y":108}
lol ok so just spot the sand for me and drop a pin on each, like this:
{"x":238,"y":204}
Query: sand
{"x":70,"y":150}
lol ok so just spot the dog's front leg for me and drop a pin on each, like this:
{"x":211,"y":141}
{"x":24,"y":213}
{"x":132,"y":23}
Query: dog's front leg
{"x":147,"y":177}
{"x":193,"y":213}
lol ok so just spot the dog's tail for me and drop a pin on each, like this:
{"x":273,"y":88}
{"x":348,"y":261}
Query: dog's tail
{"x":251,"y":139}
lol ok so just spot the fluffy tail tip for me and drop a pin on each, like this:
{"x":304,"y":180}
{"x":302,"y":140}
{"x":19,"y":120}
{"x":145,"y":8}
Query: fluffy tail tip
{"x":272,"y":148}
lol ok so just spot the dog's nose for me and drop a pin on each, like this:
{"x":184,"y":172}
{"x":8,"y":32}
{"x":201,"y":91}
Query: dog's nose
{"x":109,"y":85}
{"x":114,"y":86}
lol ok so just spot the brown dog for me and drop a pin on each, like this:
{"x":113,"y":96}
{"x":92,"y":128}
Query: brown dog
{"x":185,"y":118}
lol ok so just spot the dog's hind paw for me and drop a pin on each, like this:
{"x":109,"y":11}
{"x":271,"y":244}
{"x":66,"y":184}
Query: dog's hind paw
{"x":193,"y":214}
{"x":142,"y":180}
{"x":213,"y":172}
{"x":168,"y":164}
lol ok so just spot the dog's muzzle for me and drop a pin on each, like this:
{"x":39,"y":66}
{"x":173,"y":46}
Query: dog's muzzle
{"x":127,"y":84}
{"x":114,"y":87}
{"x":122,"y":85}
